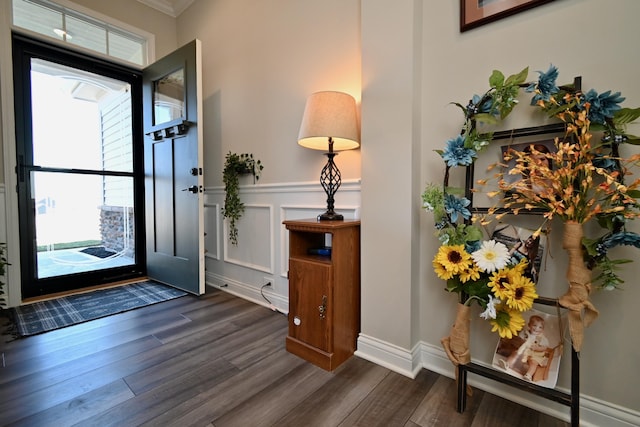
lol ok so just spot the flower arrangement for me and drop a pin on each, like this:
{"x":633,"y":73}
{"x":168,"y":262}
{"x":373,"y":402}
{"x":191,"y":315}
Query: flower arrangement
{"x":484,"y":272}
{"x":581,"y":181}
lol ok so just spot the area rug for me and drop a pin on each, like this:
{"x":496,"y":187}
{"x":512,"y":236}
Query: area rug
{"x":58,"y":313}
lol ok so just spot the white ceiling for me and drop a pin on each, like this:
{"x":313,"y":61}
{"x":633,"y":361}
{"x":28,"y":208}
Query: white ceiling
{"x":170,"y":7}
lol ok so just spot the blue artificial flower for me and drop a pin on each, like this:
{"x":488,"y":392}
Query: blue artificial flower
{"x":626,"y":238}
{"x":456,"y":154}
{"x":603,"y":162}
{"x":603,"y":106}
{"x":455,"y":206}
{"x":471,"y":247}
{"x":484,"y":107}
{"x":546,"y":85}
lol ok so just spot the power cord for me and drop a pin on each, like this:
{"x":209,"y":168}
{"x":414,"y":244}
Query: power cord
{"x":271,"y":306}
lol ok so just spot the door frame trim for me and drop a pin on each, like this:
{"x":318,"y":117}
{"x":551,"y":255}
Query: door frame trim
{"x":13,"y":277}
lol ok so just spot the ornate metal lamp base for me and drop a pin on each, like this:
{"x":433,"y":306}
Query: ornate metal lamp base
{"x":330,"y":216}
{"x":330,"y":180}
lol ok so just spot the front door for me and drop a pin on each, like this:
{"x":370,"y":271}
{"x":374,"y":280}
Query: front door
{"x":85,"y":167}
{"x":79,"y":166}
{"x":174,"y":199}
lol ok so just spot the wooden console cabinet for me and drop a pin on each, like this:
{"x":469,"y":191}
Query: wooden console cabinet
{"x":324,"y":290}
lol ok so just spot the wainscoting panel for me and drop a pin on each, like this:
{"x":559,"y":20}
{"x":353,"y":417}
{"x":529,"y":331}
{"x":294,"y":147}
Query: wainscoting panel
{"x":256,"y":269}
{"x":212,"y":223}
{"x":255,"y":239}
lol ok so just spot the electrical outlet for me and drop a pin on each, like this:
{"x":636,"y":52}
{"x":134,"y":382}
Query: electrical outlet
{"x":267,"y":281}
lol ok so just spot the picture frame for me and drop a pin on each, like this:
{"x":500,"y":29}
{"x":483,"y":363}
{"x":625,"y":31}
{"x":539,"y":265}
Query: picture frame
{"x":522,"y":242}
{"x":474,"y":13}
{"x":544,"y":146}
{"x":516,"y":356}
{"x":482,"y":168}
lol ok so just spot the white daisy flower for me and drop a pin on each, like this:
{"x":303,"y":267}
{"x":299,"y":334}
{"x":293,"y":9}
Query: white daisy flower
{"x":491,"y":256}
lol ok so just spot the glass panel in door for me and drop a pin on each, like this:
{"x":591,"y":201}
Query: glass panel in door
{"x":83,"y":221}
{"x":80,"y":234}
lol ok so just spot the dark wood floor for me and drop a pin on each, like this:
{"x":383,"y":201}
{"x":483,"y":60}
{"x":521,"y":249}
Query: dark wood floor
{"x":217,"y":360}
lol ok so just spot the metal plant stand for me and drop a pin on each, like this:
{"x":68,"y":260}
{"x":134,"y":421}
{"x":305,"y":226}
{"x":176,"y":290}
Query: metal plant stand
{"x":569,"y":399}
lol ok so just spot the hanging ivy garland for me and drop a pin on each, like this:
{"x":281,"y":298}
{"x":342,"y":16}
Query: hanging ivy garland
{"x":236,"y":165}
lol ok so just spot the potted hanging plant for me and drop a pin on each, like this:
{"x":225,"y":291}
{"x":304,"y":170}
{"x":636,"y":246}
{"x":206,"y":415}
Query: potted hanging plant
{"x":236,"y":165}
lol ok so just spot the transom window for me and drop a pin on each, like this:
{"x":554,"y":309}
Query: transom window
{"x":69,"y":26}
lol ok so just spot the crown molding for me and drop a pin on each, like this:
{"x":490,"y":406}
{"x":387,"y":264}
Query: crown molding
{"x":172,"y":8}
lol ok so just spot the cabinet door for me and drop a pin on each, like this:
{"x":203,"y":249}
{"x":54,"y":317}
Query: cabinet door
{"x":309,"y":290}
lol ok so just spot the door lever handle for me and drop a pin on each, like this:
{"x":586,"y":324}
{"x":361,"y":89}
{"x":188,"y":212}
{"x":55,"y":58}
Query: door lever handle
{"x":193,"y":189}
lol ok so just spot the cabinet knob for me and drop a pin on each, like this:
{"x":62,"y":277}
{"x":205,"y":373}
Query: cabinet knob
{"x":297,"y":321}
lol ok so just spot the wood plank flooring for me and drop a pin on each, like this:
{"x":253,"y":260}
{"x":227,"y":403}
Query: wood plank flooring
{"x":217,"y":360}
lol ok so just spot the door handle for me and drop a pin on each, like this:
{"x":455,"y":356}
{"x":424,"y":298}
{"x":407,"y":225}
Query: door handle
{"x":322,"y":308}
{"x":193,"y":189}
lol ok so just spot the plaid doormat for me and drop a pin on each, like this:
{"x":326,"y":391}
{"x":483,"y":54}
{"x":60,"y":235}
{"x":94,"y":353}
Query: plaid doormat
{"x":58,"y":313}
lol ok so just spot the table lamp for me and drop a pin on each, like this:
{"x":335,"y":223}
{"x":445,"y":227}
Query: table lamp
{"x":330,"y":123}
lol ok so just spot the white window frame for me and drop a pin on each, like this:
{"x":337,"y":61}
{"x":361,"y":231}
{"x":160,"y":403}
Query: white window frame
{"x":75,"y":10}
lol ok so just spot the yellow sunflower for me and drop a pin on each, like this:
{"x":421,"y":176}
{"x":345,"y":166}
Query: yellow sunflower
{"x":498,"y":283}
{"x":507,"y":322}
{"x":441,"y":271}
{"x":453,"y":258}
{"x":471,"y":273}
{"x":521,"y":292}
{"x":520,"y":266}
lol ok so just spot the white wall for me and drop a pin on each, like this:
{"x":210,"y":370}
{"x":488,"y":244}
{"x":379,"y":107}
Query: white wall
{"x":390,"y":170}
{"x":260,"y":62}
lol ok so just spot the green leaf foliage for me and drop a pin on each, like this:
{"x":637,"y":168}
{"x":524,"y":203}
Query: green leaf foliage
{"x":626,"y":115}
{"x":518,"y":79}
{"x":496,"y":79}
{"x":234,"y":166}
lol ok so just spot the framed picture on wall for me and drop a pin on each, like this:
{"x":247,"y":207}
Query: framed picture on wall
{"x":474,"y":13}
{"x":545,"y":147}
{"x":493,"y":161}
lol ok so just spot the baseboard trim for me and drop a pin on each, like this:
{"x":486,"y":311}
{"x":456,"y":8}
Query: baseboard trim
{"x":390,"y":356}
{"x":250,"y":293}
{"x":593,"y":412}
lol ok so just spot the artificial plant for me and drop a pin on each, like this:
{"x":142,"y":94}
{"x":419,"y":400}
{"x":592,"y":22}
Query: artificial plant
{"x":236,"y":165}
